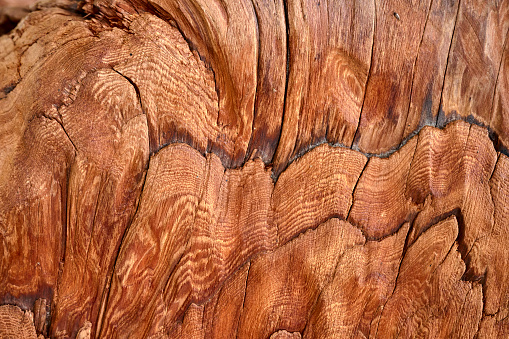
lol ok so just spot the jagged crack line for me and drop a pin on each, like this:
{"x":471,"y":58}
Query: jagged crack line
{"x":101,"y":315}
{"x":354,"y":188}
{"x":288,"y":57}
{"x":63,"y":129}
{"x":355,"y":136}
{"x":255,"y":111}
{"x":413,"y":69}
{"x":447,"y":63}
{"x":136,"y":89}
{"x":403,"y":253}
{"x":498,"y":73}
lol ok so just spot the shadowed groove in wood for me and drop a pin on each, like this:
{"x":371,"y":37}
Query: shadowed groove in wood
{"x":462,"y":128}
{"x":248,"y":182}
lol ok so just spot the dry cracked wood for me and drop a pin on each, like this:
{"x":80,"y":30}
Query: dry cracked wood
{"x":255,"y":169}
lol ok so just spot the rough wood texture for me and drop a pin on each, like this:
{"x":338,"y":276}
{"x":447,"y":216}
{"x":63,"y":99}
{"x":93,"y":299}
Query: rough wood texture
{"x":14,"y":323}
{"x":254,"y":169}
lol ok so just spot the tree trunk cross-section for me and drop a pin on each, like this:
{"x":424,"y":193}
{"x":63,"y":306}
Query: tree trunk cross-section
{"x":254,"y":169}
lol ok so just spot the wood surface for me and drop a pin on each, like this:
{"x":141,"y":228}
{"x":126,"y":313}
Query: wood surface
{"x":254,"y":169}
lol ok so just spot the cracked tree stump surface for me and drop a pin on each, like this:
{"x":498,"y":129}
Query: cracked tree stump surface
{"x":254,"y":169}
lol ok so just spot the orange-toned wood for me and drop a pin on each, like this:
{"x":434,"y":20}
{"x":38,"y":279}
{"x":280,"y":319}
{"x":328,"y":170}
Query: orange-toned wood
{"x":254,"y":169}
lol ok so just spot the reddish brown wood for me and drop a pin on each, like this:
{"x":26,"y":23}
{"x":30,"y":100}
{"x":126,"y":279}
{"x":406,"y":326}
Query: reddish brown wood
{"x":254,"y":169}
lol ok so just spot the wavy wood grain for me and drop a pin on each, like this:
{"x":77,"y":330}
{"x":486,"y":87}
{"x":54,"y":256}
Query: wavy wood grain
{"x":14,"y":323}
{"x":197,"y":169}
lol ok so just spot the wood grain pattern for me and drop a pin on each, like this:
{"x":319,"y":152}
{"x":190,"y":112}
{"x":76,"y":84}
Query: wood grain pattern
{"x":380,"y":205}
{"x":429,"y":295}
{"x":15,"y":323}
{"x":315,"y":188}
{"x":365,"y":276}
{"x":395,"y":49}
{"x":280,"y":296}
{"x":329,"y":51}
{"x":483,"y":27}
{"x":255,"y":169}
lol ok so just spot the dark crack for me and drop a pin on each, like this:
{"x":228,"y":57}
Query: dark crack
{"x":136,"y":89}
{"x":497,"y":145}
{"x":413,"y":67}
{"x":8,"y":89}
{"x":440,"y":110}
{"x":255,"y":111}
{"x":498,"y":72}
{"x":403,"y":253}
{"x":354,"y":188}
{"x":356,"y":135}
{"x":275,"y":175}
{"x":58,"y":121}
{"x":101,"y":314}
